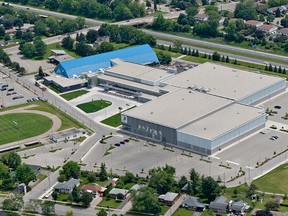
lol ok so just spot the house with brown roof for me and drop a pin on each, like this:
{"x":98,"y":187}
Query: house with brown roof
{"x":283,"y":31}
{"x":253,"y":23}
{"x":269,"y":29}
{"x":93,"y":188}
{"x":201,"y":17}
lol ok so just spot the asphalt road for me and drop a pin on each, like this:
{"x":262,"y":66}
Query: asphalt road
{"x":242,"y":51}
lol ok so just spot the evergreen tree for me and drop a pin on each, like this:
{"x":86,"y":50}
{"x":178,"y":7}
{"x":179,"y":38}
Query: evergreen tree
{"x":279,"y":69}
{"x":103,"y":172}
{"x":266,"y":67}
{"x":197,"y":53}
{"x":223,"y":58}
{"x":209,"y":56}
{"x":189,"y":51}
{"x":275,"y":69}
{"x":193,"y":53}
{"x":284,"y":71}
{"x":40,"y":72}
{"x":75,"y":195}
{"x":170,"y":48}
{"x":270,"y":67}
{"x":205,"y":55}
{"x":227,"y":60}
{"x":235,"y":62}
{"x":185,"y":51}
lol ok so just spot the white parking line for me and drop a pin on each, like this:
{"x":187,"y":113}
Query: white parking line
{"x":232,"y":162}
{"x":215,"y":157}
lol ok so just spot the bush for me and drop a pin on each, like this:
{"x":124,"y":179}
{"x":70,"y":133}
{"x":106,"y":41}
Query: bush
{"x":62,"y":178}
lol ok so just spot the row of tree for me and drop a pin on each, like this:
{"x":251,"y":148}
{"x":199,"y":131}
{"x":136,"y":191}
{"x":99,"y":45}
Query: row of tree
{"x":103,"y":9}
{"x":36,"y":49}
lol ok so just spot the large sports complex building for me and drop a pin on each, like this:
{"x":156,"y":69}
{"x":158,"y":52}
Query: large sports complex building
{"x":202,"y":109}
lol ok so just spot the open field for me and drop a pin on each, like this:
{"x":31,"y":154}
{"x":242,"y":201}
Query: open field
{"x":273,"y":181}
{"x":94,"y":106}
{"x":74,"y":94}
{"x":19,"y":126}
{"x":66,"y":120}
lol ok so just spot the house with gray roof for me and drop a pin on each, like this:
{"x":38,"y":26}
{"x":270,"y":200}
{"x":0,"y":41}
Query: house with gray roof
{"x":220,"y":205}
{"x":239,"y":208}
{"x":169,"y":198}
{"x":136,"y":187}
{"x":66,"y":187}
{"x":193,"y":203}
{"x":118,"y":193}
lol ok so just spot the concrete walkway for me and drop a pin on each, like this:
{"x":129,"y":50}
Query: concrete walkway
{"x":56,"y":125}
{"x":175,"y":206}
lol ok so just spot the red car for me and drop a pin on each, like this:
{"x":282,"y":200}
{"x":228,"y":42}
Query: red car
{"x":44,"y":88}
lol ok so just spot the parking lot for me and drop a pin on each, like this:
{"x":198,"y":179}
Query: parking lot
{"x":14,"y":93}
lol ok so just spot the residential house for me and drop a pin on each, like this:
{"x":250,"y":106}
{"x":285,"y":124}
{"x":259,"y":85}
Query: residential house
{"x":10,"y":31}
{"x":113,"y":182}
{"x":253,"y":23}
{"x":169,"y":198}
{"x":66,"y":187}
{"x":93,"y":189}
{"x":201,"y":17}
{"x":118,"y":193}
{"x":239,"y":208}
{"x":282,"y":8}
{"x":136,"y":187}
{"x":193,"y":203}
{"x":220,"y":205}
{"x":283,"y":31}
{"x":274,"y":213}
{"x":268,"y":29}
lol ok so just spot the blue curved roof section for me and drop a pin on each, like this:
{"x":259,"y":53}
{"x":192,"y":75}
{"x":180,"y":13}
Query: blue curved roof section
{"x":142,"y":54}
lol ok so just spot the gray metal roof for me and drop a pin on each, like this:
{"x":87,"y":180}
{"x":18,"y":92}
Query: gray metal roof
{"x":191,"y":201}
{"x":116,"y":191}
{"x":70,"y":184}
{"x":223,"y":81}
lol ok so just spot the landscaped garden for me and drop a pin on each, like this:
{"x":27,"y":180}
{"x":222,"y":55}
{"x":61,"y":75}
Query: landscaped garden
{"x":94,"y":105}
{"x":19,"y":126}
{"x":74,"y":94}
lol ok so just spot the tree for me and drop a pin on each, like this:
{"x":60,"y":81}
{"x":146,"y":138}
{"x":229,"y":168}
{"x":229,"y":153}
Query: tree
{"x":40,"y":27}
{"x":105,"y":47}
{"x":12,"y":159}
{"x":24,"y":174}
{"x":177,"y":45}
{"x":2,"y":32}
{"x":103,"y":172}
{"x":102,"y":212}
{"x":235,"y":192}
{"x":227,"y":60}
{"x":210,"y":188}
{"x":162,"y":179}
{"x":284,"y":22}
{"x":91,"y":36}
{"x":67,"y":42}
{"x":4,"y":170}
{"x":278,"y":12}
{"x":145,"y":201}
{"x":270,"y":68}
{"x":40,"y":72}
{"x":272,"y":205}
{"x":48,"y":208}
{"x":91,"y":177}
{"x":53,"y":24}
{"x":40,"y":48}
{"x":69,"y":213}
{"x":191,"y":11}
{"x":7,"y":181}
{"x":195,"y":181}
{"x":182,"y":182}
{"x":71,"y":169}
{"x":164,"y":58}
{"x":76,"y":196}
{"x":86,"y":198}
{"x":13,"y":202}
{"x":263,"y":213}
{"x":216,"y":56}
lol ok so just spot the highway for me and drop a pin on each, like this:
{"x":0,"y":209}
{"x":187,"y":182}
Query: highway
{"x":242,"y":51}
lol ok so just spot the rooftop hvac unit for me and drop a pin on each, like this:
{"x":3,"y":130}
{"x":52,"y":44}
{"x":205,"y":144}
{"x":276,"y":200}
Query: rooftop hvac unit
{"x":206,"y":90}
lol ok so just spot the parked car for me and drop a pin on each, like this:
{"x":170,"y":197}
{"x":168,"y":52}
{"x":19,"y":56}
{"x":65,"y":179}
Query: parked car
{"x":8,"y":94}
{"x":3,"y":89}
{"x":117,"y":144}
{"x":11,"y":89}
{"x":122,"y":142}
{"x":13,"y":93}
{"x":5,"y":85}
{"x":277,"y":107}
{"x":126,"y":140}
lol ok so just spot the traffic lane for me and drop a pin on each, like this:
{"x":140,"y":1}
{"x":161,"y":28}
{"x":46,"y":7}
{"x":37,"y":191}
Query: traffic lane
{"x":215,"y":45}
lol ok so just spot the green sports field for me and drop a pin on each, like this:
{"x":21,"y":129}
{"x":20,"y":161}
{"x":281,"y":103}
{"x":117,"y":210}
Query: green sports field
{"x":22,"y":125}
{"x":94,"y":106}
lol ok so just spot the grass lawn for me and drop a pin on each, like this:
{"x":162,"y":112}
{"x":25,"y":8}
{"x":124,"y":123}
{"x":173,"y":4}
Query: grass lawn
{"x":120,"y":45}
{"x":115,"y":120}
{"x":63,"y":197}
{"x":66,"y":120}
{"x":74,"y":94}
{"x":22,"y":125}
{"x":183,"y":212}
{"x":208,"y":213}
{"x":94,"y":106}
{"x":273,"y":181}
{"x":109,"y":202}
{"x":172,"y":54}
{"x":164,"y":209}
